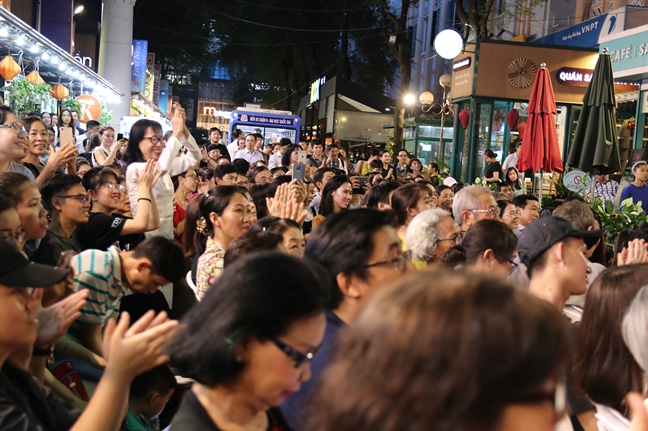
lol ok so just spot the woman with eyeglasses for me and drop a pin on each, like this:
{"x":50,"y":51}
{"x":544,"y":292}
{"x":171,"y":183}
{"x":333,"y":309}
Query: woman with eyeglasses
{"x":477,"y":353}
{"x":185,"y":184}
{"x":37,"y":144}
{"x":488,"y":247}
{"x":263,"y":331}
{"x":509,"y":215}
{"x":106,"y":154}
{"x":68,"y":205}
{"x":13,"y":141}
{"x":147,"y":143}
{"x":105,"y":228}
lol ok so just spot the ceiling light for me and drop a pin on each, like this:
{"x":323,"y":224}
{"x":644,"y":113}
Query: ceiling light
{"x":55,"y":60}
{"x":62,"y":67}
{"x":75,"y":73}
{"x":34,"y":49}
{"x":78,"y":9}
{"x":4,"y":32}
{"x":45,"y":56}
{"x":20,"y":41}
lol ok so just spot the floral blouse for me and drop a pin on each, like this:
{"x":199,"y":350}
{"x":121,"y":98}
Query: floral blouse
{"x":210,"y":266}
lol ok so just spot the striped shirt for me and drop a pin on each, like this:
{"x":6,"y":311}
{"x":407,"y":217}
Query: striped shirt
{"x":100,"y":272}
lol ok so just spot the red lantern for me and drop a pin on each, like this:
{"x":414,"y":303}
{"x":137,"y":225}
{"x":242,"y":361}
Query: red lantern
{"x":521,"y":129}
{"x":60,"y":91}
{"x":512,"y":117}
{"x":464,"y":117}
{"x":9,"y":68}
{"x":34,"y":78}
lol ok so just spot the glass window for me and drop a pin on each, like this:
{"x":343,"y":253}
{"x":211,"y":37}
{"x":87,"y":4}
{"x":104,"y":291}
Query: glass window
{"x":482,"y":139}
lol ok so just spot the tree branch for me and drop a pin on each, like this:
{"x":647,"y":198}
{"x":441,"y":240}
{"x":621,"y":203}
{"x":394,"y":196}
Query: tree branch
{"x":384,"y":8}
{"x":386,"y":35}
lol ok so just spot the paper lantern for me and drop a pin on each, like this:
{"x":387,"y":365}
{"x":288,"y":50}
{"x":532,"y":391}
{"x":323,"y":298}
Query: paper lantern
{"x":9,"y":68}
{"x":60,"y":91}
{"x":34,"y":78}
{"x":512,"y":117}
{"x":521,"y":129}
{"x":464,"y":117}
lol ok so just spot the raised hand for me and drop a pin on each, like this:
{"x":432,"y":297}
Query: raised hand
{"x":149,"y":175}
{"x":132,"y":351}
{"x":178,"y":121}
{"x":280,"y":200}
{"x":55,"y":320}
{"x":63,"y":156}
{"x":635,"y":252}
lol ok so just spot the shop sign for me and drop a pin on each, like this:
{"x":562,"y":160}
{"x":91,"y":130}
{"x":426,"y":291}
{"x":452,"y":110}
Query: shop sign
{"x":587,"y":33}
{"x":575,"y":77}
{"x":462,"y":76}
{"x":213,"y":112}
{"x":629,"y":54}
{"x":138,"y":69}
{"x":261,"y":119}
{"x":90,"y":108}
{"x":315,"y":89}
{"x":462,"y":64}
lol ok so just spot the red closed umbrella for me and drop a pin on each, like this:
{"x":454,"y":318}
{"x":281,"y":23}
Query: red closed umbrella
{"x":540,"y":151}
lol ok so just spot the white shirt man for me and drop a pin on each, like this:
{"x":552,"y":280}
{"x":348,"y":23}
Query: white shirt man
{"x":249,"y":153}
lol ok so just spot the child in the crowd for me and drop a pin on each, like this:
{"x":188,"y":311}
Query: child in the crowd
{"x":148,"y":395}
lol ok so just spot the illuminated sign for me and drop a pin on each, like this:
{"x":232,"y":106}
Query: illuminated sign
{"x":464,"y":63}
{"x":261,"y":119}
{"x":575,"y":77}
{"x":213,"y":112}
{"x":315,"y":89}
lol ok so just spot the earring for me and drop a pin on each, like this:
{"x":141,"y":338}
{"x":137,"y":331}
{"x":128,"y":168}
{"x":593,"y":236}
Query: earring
{"x":238,"y":359}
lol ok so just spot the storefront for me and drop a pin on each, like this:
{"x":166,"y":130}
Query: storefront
{"x":39,"y":74}
{"x":340,"y":109}
{"x":629,"y":54}
{"x":496,"y":78}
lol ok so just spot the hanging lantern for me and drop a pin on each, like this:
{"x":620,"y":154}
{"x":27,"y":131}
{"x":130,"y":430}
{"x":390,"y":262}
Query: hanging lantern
{"x":60,"y":91}
{"x":464,"y":117}
{"x":34,"y":78}
{"x":9,"y":68}
{"x":512,"y":117}
{"x":521,"y":129}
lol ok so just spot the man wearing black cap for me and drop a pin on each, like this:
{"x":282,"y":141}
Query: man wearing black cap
{"x":554,"y":254}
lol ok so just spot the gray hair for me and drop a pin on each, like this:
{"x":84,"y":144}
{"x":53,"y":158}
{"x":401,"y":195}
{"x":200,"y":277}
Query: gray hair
{"x":423,"y":235}
{"x":467,"y":199}
{"x":635,"y":328}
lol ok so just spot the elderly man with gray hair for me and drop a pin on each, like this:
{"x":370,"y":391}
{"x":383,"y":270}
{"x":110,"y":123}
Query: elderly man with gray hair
{"x":474,"y":203}
{"x":430,"y":234}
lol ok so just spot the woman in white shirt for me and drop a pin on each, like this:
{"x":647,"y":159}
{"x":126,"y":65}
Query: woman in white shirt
{"x":146,"y":143}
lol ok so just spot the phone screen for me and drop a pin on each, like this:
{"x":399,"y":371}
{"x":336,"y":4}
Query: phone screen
{"x":301,"y":157}
{"x":66,"y":136}
{"x":120,"y":136}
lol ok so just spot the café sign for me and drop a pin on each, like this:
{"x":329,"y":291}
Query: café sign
{"x":574,"y":77}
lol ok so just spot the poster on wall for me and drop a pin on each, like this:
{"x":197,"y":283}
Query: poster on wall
{"x":138,"y":68}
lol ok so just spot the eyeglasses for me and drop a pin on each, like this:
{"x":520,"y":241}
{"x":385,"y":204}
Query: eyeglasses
{"x":17,"y":240}
{"x":494,"y":212}
{"x":17,"y":128}
{"x":513,"y":266}
{"x":84,"y":199}
{"x":399,"y":262}
{"x":192,"y":176}
{"x":114,"y":188}
{"x":298,"y":357}
{"x":457,"y":239}
{"x":155,"y":140}
{"x":514,"y":214}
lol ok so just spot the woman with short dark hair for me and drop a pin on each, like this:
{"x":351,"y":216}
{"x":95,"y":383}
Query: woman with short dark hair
{"x":263,"y":330}
{"x":494,"y":172}
{"x":449,"y":352}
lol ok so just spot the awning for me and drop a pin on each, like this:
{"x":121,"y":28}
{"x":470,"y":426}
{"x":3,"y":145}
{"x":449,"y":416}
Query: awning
{"x":55,"y":65}
{"x":359,"y":106}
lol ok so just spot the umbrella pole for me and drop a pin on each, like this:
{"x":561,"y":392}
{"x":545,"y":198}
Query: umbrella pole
{"x":540,"y":189}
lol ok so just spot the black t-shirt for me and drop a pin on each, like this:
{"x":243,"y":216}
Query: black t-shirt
{"x":495,"y":167}
{"x":25,"y":404}
{"x":52,"y":246}
{"x":101,"y":231}
{"x":193,"y":416}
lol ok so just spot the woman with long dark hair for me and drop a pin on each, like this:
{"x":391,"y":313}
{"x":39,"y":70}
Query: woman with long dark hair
{"x":517,"y":184}
{"x":336,"y":197}
{"x":147,"y":143}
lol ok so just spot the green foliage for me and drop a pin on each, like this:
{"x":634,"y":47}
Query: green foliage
{"x":23,"y":96}
{"x":73,"y":105}
{"x":482,"y":182}
{"x":629,"y":216}
{"x":106,"y":116}
{"x":561,"y":188}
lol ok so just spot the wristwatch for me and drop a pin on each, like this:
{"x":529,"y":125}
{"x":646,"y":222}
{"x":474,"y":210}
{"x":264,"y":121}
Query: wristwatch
{"x":43,"y":352}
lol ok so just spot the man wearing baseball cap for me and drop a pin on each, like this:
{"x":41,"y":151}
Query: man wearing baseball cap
{"x":17,"y":271}
{"x":554,"y":254}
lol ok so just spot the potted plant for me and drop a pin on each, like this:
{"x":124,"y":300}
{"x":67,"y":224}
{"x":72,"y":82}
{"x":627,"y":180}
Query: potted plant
{"x":24,"y":97}
{"x":73,"y":105}
{"x":629,"y":216}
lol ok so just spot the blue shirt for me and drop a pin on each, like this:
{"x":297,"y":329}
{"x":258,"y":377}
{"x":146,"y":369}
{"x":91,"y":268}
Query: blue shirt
{"x":294,"y":407}
{"x":638,"y":194}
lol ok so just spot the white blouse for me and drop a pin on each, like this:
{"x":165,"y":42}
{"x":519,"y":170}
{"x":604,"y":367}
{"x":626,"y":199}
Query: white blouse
{"x":163,"y":188}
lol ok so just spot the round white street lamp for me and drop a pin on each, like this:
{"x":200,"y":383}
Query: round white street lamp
{"x":448,"y":44}
{"x":409,"y":99}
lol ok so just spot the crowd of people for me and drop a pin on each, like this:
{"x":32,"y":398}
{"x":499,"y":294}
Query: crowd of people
{"x":150,"y":282}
